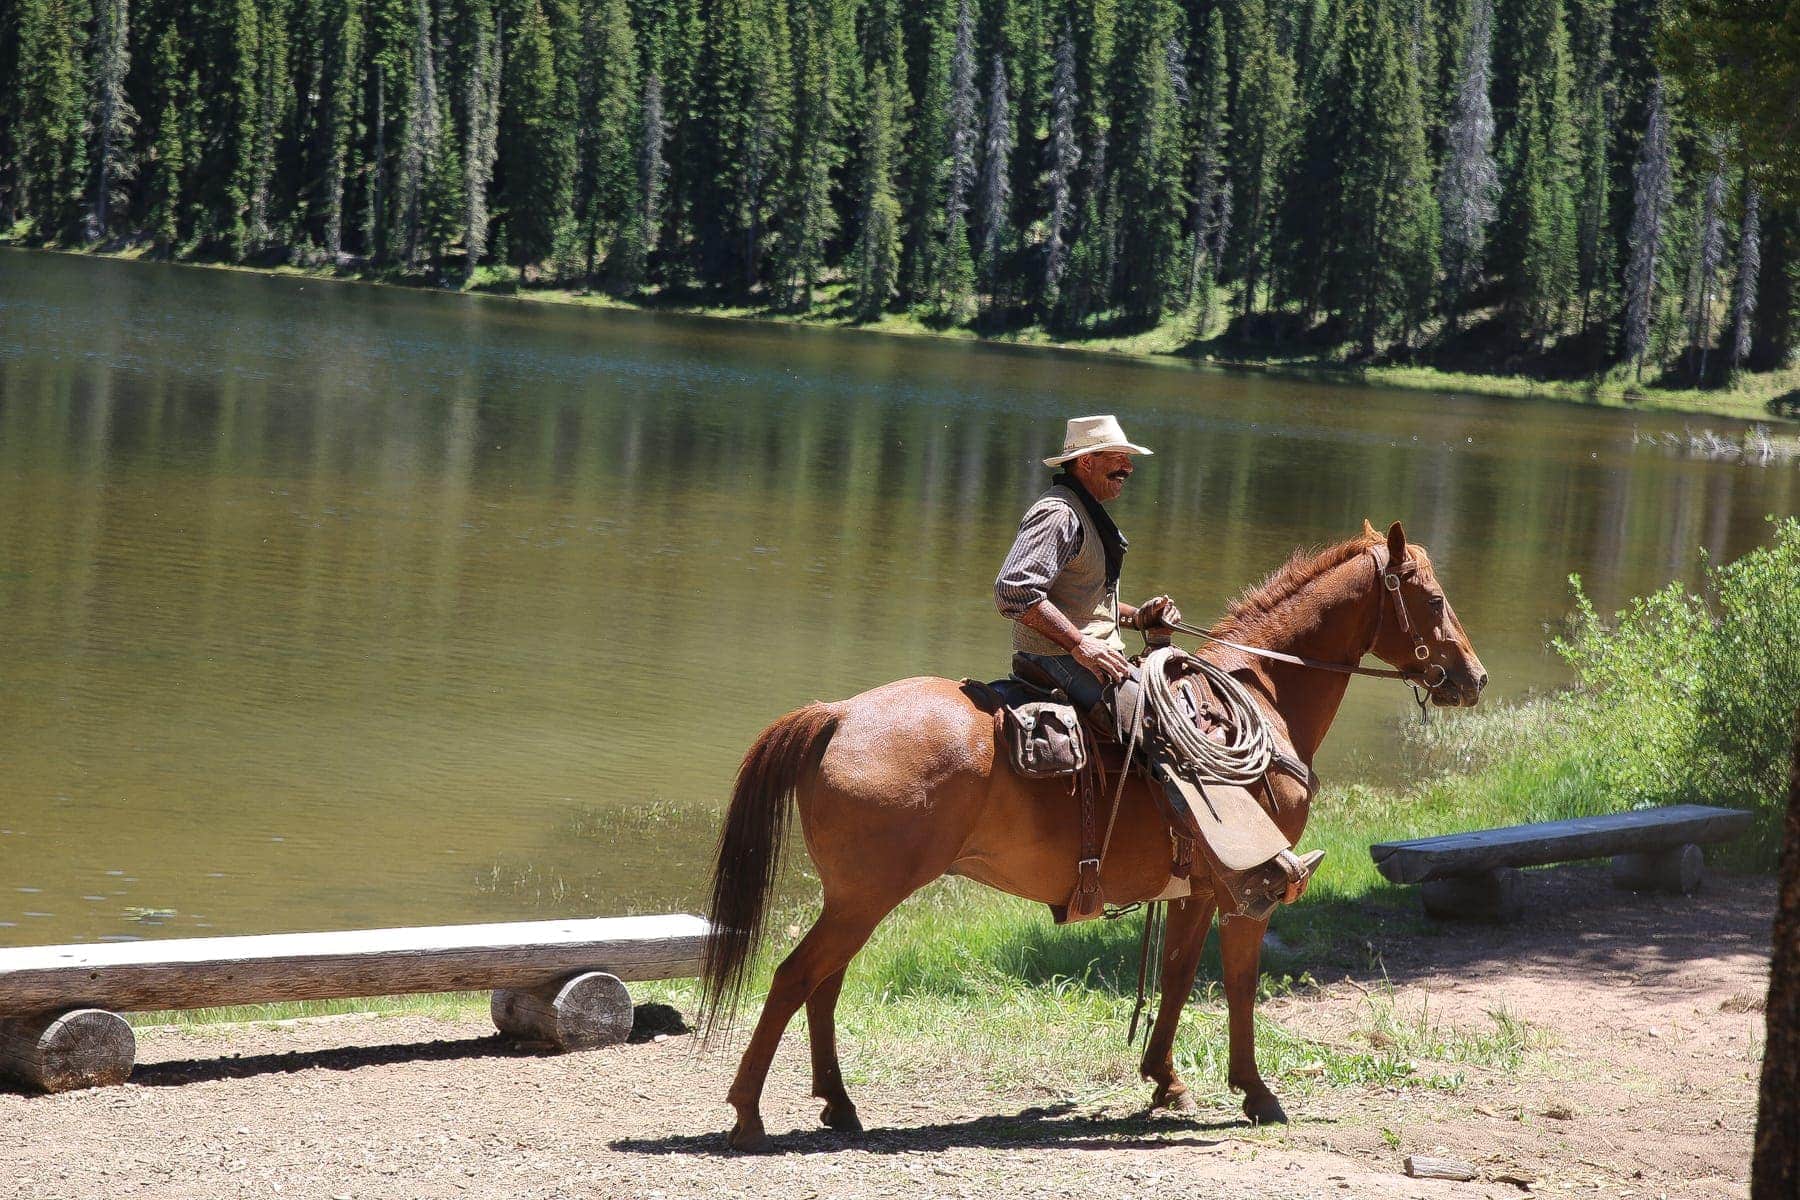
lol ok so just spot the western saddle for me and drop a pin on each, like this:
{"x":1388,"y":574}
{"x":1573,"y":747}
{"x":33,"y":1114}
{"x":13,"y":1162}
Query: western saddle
{"x":1044,"y":737}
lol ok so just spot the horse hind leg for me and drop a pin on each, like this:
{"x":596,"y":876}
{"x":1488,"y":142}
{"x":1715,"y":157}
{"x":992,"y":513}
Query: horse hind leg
{"x":822,"y":954}
{"x":1189,"y":922}
{"x":828,"y":1078}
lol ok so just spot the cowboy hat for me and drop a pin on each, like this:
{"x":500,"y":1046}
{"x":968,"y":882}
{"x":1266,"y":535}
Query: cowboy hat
{"x":1089,"y":435}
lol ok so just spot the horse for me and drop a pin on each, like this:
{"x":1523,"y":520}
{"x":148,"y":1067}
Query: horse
{"x":901,"y":784}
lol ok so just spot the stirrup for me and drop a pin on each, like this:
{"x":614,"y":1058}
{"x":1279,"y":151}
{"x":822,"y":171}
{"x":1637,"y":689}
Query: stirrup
{"x":1296,"y":872}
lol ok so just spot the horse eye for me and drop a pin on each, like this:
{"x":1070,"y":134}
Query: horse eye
{"x":1437,"y":603}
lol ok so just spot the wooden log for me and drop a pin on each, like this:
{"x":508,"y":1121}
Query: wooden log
{"x":1678,"y":870}
{"x":1420,"y":1166}
{"x":1495,"y":896}
{"x":202,"y":972}
{"x":60,"y":1052}
{"x":1647,"y":829}
{"x":592,"y":1009}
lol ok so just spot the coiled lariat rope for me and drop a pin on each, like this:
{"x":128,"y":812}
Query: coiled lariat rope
{"x":1243,"y":757}
{"x":1241,"y":760}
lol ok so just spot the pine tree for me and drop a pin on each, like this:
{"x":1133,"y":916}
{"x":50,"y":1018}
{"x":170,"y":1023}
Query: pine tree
{"x":1062,"y":155}
{"x":744,"y":108}
{"x":342,"y":52}
{"x":1086,"y":282}
{"x":1210,"y":132}
{"x":1146,"y":123}
{"x":1221,"y":232}
{"x":441,"y":209}
{"x":1386,"y":268}
{"x":927,"y":166}
{"x":810,"y":220}
{"x":1652,"y":194}
{"x":168,"y":152}
{"x":1594,"y":100}
{"x":993,"y":194}
{"x":878,"y":240}
{"x":228,"y":32}
{"x":630,"y":264}
{"x":368,"y":170}
{"x":1261,"y":126}
{"x":274,"y":104}
{"x":481,"y":120}
{"x":954,"y":274}
{"x":1537,"y":210}
{"x":1470,"y":184}
{"x":50,"y":107}
{"x":1775,"y":325}
{"x":1749,"y":264}
{"x":114,"y":120}
{"x":607,"y":127}
{"x":1302,"y":246}
{"x":537,"y":146}
{"x":1709,"y":252}
{"x":420,"y":145}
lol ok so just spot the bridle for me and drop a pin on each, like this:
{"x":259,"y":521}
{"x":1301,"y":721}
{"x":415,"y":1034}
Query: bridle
{"x":1389,"y":582}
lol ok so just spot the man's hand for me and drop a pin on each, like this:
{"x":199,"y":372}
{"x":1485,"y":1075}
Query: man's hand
{"x":1107,"y":664}
{"x":1159,"y":610}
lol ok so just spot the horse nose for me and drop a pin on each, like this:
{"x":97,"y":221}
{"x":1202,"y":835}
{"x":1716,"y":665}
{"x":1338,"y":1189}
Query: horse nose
{"x":1481,"y":682}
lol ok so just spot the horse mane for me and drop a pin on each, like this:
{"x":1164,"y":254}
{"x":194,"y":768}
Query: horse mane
{"x":1245,"y":616}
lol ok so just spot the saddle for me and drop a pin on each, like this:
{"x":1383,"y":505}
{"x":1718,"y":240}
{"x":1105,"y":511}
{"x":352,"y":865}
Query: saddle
{"x":1045,"y":737}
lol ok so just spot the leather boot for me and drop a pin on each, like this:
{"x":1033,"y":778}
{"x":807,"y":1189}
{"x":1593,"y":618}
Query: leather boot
{"x":1281,"y":880}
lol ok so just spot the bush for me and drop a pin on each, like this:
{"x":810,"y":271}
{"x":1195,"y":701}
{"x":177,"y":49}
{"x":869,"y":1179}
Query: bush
{"x":1692,"y":698}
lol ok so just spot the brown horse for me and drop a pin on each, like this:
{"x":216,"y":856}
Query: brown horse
{"x":900,"y":785}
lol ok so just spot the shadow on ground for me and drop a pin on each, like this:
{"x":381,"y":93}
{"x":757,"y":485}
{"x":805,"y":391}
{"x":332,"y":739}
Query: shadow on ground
{"x":1059,"y":1125}
{"x":182,"y":1072}
{"x":1573,"y":916}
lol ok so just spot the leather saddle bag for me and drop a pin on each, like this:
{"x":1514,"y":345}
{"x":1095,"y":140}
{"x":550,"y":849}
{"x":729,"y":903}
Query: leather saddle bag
{"x":1043,"y":739}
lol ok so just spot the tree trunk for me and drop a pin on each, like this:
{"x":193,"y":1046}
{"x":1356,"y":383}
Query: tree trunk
{"x":1776,"y":1173}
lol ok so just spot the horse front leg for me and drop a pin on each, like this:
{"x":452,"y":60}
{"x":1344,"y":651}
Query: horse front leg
{"x":1183,"y":940}
{"x":1240,"y":947}
{"x":828,"y":1078}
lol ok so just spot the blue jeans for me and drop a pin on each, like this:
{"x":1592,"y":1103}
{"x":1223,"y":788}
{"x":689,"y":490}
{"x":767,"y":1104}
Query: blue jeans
{"x":1087,"y":693}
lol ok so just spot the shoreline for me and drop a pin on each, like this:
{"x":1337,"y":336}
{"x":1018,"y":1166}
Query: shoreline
{"x":1162,"y":345}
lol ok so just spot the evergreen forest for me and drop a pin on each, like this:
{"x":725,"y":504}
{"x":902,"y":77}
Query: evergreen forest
{"x":1515,"y":185}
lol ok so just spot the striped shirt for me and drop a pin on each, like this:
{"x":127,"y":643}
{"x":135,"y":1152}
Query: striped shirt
{"x":1049,"y":537}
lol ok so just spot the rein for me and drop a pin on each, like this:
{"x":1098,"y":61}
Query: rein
{"x":1389,"y":582}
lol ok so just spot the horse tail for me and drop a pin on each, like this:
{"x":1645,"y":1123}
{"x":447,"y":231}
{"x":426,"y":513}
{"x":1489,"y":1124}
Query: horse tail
{"x":749,"y":855}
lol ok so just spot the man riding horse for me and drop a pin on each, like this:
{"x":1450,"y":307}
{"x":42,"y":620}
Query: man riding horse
{"x":908,"y":782}
{"x":1059,"y":586}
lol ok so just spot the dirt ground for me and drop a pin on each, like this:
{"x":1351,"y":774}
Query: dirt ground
{"x":1648,"y":1014}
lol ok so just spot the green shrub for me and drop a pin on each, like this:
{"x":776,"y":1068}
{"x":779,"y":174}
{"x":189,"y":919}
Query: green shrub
{"x":1691,"y":698}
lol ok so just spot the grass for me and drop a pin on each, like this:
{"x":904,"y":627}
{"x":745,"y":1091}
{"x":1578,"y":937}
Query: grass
{"x":1770,"y":396}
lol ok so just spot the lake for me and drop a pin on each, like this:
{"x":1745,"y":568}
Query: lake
{"x":331,"y":605}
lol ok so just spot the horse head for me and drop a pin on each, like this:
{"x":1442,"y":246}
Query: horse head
{"x":1416,"y":630}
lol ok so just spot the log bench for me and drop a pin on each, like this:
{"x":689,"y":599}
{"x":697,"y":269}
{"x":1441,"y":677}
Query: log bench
{"x":1476,"y":876}
{"x":560,"y":983}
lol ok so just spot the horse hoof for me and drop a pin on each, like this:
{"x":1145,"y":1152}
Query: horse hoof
{"x":842,"y":1118}
{"x":1264,"y":1110}
{"x":749,"y":1138}
{"x":1174,"y":1102}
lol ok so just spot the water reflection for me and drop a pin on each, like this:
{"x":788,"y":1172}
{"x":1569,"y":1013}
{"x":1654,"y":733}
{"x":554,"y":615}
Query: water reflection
{"x":332,"y":605}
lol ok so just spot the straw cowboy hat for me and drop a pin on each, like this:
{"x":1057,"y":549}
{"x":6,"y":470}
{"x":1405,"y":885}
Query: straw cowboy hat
{"x":1086,"y":435}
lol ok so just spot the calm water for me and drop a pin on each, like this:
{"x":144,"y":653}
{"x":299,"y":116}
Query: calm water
{"x":331,"y":606}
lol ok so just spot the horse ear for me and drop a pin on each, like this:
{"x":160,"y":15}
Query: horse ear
{"x":1369,"y":530}
{"x":1396,"y":543}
